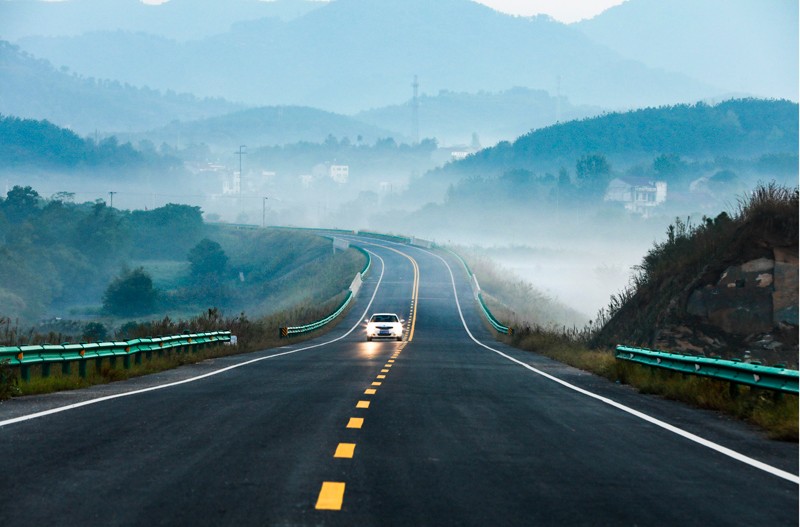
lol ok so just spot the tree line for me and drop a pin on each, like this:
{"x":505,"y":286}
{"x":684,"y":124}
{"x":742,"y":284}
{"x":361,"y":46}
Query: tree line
{"x":30,"y":142}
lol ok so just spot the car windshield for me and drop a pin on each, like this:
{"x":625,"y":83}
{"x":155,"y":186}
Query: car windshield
{"x":384,"y":318}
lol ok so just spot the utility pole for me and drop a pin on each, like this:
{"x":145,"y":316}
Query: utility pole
{"x":240,"y":153}
{"x":264,"y":213}
{"x":111,"y":195}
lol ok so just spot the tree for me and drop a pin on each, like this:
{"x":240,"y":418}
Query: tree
{"x":593,"y":174}
{"x":20,"y":204}
{"x":130,"y":294}
{"x":95,"y":332}
{"x":207,"y":258}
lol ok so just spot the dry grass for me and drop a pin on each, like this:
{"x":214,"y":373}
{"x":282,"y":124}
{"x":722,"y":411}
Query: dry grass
{"x":252,"y":336}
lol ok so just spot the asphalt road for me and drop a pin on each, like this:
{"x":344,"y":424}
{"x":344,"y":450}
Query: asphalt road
{"x":446,"y":428}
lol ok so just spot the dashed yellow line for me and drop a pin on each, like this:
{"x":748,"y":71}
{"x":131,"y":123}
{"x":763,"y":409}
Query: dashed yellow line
{"x":345,"y":450}
{"x":331,"y":496}
{"x":414,"y":293}
{"x":355,"y":422}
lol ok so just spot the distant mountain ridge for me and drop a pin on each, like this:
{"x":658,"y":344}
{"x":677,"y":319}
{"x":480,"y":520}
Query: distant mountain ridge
{"x":267,"y":126}
{"x":34,"y":89}
{"x":740,"y":128}
{"x":175,"y":19}
{"x":453,"y":117}
{"x":365,"y":53}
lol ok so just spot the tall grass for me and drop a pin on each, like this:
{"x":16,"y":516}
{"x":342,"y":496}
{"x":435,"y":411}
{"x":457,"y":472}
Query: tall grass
{"x":252,"y":335}
{"x":661,"y":283}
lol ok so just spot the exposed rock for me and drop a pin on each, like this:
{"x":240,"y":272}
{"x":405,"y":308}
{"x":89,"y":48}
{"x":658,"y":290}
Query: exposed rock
{"x":741,"y":303}
{"x":784,"y":300}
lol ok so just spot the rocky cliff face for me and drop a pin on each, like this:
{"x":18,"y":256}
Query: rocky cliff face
{"x":751,"y":310}
{"x":728,"y":287}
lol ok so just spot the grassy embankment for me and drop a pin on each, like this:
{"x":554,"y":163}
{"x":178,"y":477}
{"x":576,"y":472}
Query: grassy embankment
{"x":306,"y":290}
{"x":777,"y":414}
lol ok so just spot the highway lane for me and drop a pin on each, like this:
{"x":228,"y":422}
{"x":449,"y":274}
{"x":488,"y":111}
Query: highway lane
{"x":454,"y":434}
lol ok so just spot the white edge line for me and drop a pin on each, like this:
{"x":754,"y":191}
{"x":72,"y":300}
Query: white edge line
{"x":60,"y":409}
{"x":672,"y":428}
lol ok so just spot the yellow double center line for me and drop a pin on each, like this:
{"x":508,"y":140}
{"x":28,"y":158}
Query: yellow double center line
{"x":414,"y":294}
{"x":331,"y":495}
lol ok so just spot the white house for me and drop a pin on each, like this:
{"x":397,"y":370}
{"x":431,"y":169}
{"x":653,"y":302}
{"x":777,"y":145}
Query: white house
{"x":639,"y":195}
{"x":339,"y":173}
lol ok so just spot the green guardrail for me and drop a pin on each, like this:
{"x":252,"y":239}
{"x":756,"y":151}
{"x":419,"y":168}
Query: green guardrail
{"x":500,"y":328}
{"x":47,"y":355}
{"x":388,"y":237}
{"x":297,"y":330}
{"x":766,"y":377}
{"x":369,"y":260}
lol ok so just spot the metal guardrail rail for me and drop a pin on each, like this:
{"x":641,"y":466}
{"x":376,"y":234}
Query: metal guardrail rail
{"x":500,"y":328}
{"x":297,"y":330}
{"x":46,"y":355}
{"x":765,"y":377}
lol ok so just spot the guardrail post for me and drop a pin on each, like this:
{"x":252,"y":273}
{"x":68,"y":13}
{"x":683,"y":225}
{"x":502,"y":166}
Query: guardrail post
{"x":137,"y":358}
{"x":112,"y":362}
{"x":66,"y":368}
{"x":733,"y":390}
{"x":82,"y":369}
{"x":45,"y":370}
{"x":98,"y":365}
{"x":25,"y":372}
{"x":126,"y":362}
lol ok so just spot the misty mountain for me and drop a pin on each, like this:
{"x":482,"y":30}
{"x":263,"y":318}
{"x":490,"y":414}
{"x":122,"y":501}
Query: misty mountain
{"x":709,"y":138}
{"x":267,"y":126}
{"x":747,"y":46}
{"x":453,"y":117}
{"x":34,"y":89}
{"x":365,"y":53}
{"x":737,"y":128}
{"x":177,"y":19}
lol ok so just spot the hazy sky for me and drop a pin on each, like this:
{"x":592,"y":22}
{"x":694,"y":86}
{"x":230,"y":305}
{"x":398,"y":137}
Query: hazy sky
{"x":562,"y":10}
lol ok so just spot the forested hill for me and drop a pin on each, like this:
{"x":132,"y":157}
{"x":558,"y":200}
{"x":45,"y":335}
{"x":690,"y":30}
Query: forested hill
{"x":737,"y":128}
{"x":41,"y":144}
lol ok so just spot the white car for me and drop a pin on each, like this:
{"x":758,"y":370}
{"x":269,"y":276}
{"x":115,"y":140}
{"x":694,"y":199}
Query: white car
{"x":385,"y":325}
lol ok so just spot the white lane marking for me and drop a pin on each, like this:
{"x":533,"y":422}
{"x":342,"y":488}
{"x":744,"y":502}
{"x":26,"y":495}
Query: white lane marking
{"x":674,"y":429}
{"x":199,"y":377}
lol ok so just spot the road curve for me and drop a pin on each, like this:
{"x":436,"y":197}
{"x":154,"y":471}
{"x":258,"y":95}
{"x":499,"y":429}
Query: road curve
{"x":445,"y":428}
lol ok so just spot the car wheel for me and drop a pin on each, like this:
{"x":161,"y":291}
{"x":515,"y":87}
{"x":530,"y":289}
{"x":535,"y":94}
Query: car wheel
{"x":399,"y":339}
{"x":369,"y":339}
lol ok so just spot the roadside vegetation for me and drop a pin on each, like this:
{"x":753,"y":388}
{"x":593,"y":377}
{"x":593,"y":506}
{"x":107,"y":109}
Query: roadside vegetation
{"x":251,"y":335}
{"x":88,"y":272}
{"x":685,"y":251}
